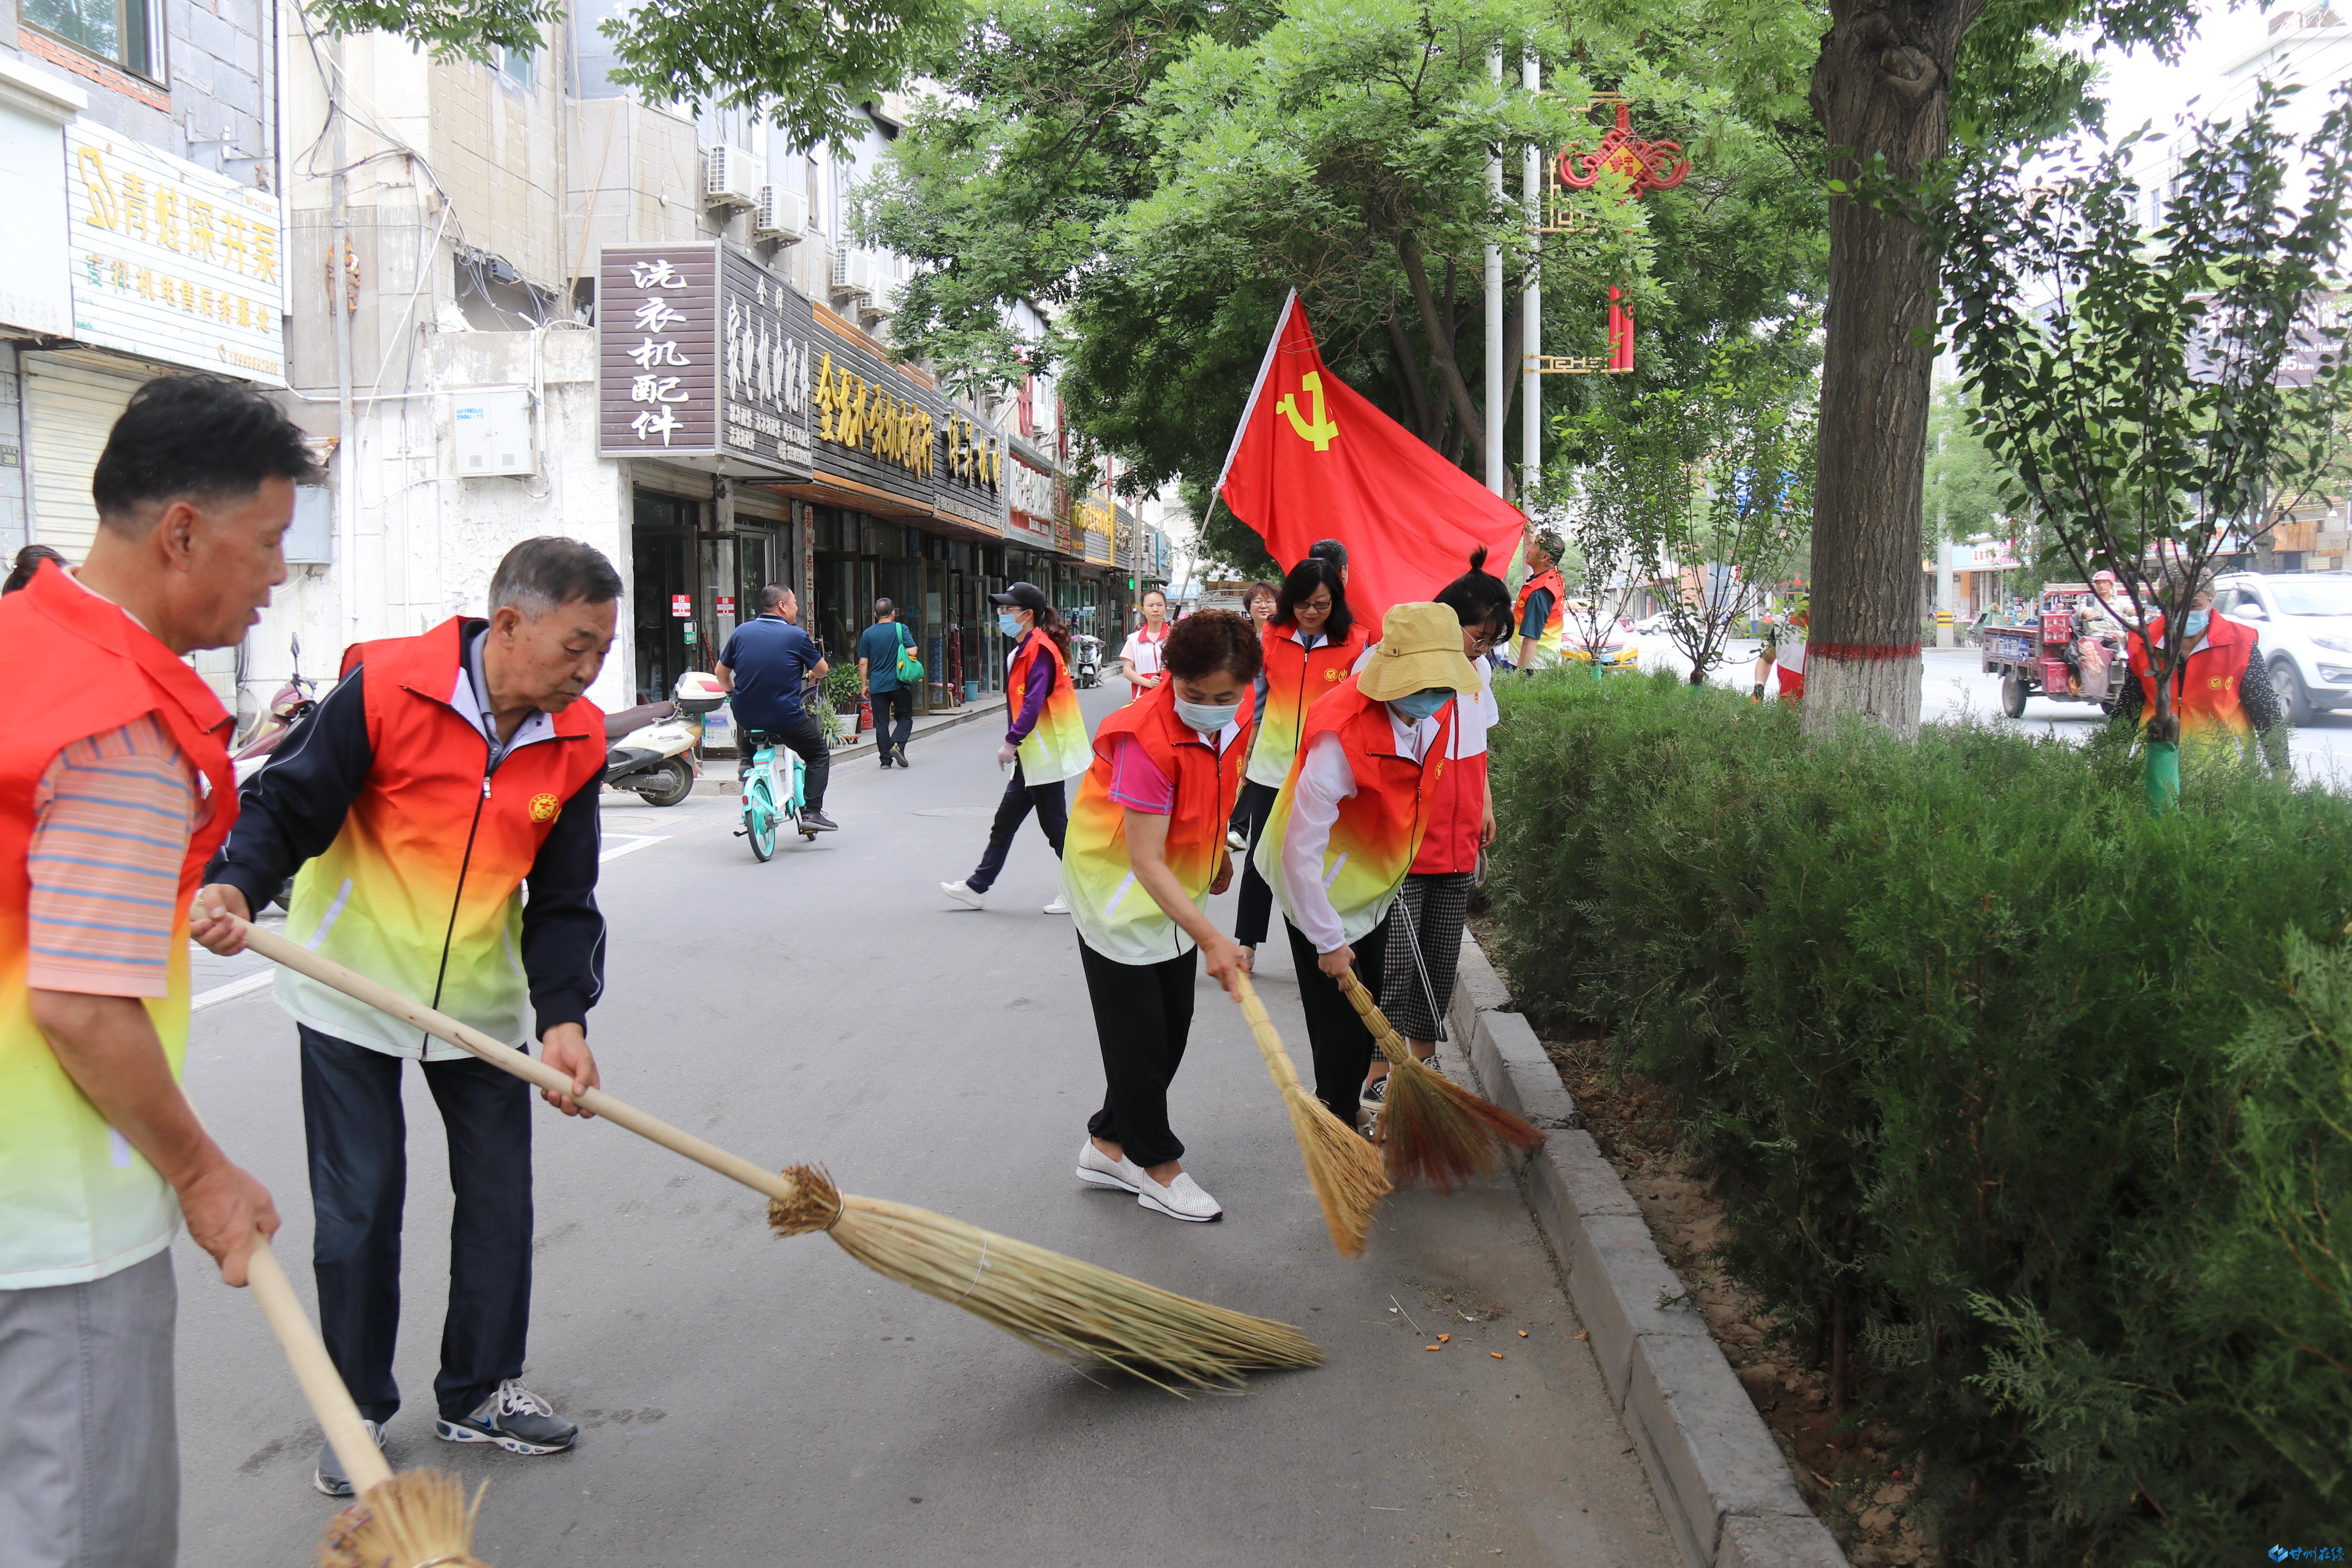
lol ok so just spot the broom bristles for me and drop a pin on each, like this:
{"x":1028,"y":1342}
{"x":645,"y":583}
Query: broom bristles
{"x":419,"y":1518}
{"x":1341,"y":1167}
{"x":1061,"y":1305}
{"x":1432,"y":1128}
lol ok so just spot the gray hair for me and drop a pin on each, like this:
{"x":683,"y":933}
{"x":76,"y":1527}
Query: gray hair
{"x":538,"y":574}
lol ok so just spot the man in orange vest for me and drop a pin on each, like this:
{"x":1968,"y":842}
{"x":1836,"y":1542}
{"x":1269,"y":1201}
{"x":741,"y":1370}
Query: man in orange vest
{"x":442,"y":774}
{"x":1540,"y":610}
{"x":114,"y":787}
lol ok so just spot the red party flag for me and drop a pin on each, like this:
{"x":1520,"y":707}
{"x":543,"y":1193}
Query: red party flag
{"x":1314,"y":461}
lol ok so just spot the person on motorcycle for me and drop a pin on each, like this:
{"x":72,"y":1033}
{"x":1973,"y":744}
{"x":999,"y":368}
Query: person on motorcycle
{"x":444,"y":773}
{"x":766,"y":666}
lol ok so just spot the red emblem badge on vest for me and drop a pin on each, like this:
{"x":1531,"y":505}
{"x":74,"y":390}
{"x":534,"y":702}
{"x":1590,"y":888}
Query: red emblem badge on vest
{"x":543,"y":808}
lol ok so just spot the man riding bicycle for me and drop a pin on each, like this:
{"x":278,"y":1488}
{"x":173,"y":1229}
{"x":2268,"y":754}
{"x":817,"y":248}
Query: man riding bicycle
{"x":765,"y":666}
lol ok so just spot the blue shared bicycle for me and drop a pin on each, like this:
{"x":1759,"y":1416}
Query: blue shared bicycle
{"x":772,"y":797}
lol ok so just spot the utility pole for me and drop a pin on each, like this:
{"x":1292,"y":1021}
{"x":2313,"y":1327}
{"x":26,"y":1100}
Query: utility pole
{"x":1531,"y":305}
{"x":1494,"y":309}
{"x":339,"y":283}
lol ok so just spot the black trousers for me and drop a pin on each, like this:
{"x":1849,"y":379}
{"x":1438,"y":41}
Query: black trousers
{"x":1257,"y":899}
{"x":806,"y":736}
{"x":1342,"y":1045}
{"x":358,"y":1138}
{"x":1020,"y":797}
{"x":1143,"y":1015}
{"x":894,"y":721}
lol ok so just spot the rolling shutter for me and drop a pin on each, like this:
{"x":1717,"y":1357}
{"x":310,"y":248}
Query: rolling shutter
{"x":69,"y":408}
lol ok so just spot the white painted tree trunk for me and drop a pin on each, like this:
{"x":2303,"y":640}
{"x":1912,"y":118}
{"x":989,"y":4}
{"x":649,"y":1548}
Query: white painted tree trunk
{"x":1885,"y":690}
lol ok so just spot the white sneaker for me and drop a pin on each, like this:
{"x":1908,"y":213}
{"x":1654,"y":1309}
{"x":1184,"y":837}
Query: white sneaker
{"x":963,"y":893}
{"x":1179,"y":1199}
{"x":1234,"y":841}
{"x":1102,"y":1171}
{"x":1060,"y":906}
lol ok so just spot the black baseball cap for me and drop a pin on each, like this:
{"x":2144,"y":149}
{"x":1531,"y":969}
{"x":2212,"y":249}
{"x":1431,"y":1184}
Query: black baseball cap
{"x":1028,"y":596}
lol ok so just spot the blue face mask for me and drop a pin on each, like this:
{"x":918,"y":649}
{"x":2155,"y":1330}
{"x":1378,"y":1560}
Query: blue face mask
{"x":2193,"y":624}
{"x":1008,"y":623}
{"x":1422,"y":704}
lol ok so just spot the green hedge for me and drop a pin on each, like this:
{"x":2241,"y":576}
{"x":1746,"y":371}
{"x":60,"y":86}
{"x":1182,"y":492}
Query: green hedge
{"x":2010,"y":1081}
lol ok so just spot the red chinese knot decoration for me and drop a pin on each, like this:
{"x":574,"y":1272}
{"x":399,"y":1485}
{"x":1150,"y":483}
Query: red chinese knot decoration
{"x":1649,"y":165}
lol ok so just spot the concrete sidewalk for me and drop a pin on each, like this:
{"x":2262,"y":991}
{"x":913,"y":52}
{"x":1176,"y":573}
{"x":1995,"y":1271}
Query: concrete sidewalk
{"x":746,"y":1400}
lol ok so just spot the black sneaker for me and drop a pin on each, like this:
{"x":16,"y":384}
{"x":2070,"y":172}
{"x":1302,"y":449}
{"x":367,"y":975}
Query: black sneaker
{"x":1371,"y":1104}
{"x":329,"y":1475}
{"x":514,"y":1418}
{"x":812,"y":819}
{"x":901,"y":755}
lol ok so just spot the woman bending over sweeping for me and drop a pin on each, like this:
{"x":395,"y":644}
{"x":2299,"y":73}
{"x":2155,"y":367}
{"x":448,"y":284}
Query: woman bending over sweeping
{"x":1350,"y":820}
{"x":1417,"y":983}
{"x":1145,"y":849}
{"x":1310,"y":644}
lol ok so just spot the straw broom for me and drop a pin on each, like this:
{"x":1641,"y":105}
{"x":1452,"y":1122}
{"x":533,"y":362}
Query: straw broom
{"x":1059,"y":1304}
{"x":407,"y":1520}
{"x":1342,"y":1168}
{"x":1435,"y":1129}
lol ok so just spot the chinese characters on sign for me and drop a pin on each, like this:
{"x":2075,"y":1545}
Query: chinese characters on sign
{"x":172,"y":261}
{"x":856,"y":412}
{"x":1031,"y":492}
{"x":704,"y":355}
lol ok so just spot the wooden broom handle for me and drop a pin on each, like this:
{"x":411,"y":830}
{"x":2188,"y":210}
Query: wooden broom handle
{"x":306,"y":1352}
{"x":441,"y":1026}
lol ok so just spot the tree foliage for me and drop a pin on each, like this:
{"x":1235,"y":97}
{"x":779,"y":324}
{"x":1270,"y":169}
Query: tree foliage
{"x":2134,"y":382}
{"x":1704,"y":491}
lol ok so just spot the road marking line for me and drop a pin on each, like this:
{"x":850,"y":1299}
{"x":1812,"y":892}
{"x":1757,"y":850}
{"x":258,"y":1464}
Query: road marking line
{"x":633,"y":846}
{"x":245,"y":986}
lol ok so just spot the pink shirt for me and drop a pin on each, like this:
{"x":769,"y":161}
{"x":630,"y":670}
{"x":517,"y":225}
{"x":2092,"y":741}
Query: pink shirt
{"x":1137,"y":783}
{"x":114,"y":812}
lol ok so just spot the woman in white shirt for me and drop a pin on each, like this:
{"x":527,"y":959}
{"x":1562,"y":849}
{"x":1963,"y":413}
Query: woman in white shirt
{"x":1139,"y":660}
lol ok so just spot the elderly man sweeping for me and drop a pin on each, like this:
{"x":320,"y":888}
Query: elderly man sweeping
{"x":443,"y":775}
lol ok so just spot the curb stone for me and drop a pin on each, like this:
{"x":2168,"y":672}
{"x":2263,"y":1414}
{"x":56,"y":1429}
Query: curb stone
{"x":1720,"y":1479}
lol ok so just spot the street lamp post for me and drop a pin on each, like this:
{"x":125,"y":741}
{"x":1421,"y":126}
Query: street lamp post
{"x":1495,"y":310}
{"x":1531,"y":305}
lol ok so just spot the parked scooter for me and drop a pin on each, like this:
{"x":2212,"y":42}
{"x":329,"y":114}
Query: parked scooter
{"x":289,"y":710}
{"x":1085,"y":663}
{"x":652,"y":748}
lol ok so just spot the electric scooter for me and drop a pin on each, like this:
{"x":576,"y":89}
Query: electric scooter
{"x":651,"y":748}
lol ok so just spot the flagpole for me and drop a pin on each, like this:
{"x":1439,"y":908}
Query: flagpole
{"x":1531,"y":305}
{"x":1495,"y":310}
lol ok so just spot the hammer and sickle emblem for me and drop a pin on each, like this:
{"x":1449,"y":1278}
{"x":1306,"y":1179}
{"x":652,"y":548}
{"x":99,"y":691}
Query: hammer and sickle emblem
{"x":1319,"y":432}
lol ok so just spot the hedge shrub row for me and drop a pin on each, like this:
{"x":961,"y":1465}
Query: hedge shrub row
{"x":2036,"y":1111}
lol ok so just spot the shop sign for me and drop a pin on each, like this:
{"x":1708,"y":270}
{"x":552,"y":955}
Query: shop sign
{"x":1031,"y":492}
{"x":703,"y":354}
{"x":173,"y":262}
{"x":970,"y":473}
{"x":876,"y":425}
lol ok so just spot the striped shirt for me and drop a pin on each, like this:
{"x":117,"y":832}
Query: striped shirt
{"x":112,"y":817}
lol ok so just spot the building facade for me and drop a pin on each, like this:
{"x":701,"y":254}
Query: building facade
{"x":508,"y":299}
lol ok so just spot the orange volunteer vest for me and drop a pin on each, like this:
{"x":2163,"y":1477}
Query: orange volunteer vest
{"x":1296,"y":680}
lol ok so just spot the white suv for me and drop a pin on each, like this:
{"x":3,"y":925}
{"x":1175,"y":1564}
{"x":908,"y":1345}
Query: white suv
{"x":2303,"y":622}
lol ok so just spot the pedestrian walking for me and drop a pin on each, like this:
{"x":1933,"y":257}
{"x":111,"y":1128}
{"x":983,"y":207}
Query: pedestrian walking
{"x":1139,"y":659}
{"x":1310,"y":643}
{"x":880,"y":650}
{"x":1417,"y":983}
{"x":110,"y":801}
{"x":1540,"y":611}
{"x":767,"y":667}
{"x":1349,"y":821}
{"x":1144,"y":854}
{"x":442,"y":776}
{"x":1045,"y":744}
{"x":1258,"y":599}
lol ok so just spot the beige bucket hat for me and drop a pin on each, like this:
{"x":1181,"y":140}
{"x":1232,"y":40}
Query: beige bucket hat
{"x":1421,"y":646}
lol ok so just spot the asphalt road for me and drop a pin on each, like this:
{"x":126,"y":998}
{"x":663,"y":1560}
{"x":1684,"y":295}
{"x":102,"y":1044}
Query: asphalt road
{"x":747,"y":1400}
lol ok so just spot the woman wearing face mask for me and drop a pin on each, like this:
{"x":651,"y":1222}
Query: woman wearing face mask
{"x":1145,"y":851}
{"x":1349,"y":821}
{"x":2221,"y":692}
{"x":1310,"y":642}
{"x":1045,"y":744}
{"x":1258,"y":599}
{"x":1435,"y":898}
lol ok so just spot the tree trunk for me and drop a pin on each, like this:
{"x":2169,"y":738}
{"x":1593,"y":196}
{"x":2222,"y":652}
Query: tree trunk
{"x":1441,"y":339}
{"x":1881,"y":86}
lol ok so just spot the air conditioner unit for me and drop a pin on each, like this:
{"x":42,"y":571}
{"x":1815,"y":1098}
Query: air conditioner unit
{"x":851,"y":273}
{"x":882,"y":301}
{"x":729,"y":177}
{"x":779,"y":214}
